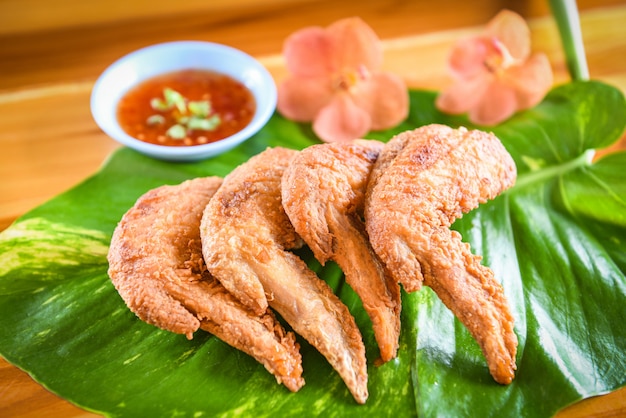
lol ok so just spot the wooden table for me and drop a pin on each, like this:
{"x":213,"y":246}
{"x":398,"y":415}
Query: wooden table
{"x":50,"y":57}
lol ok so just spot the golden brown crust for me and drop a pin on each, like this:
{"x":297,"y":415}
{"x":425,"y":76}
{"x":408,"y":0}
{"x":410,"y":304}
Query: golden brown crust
{"x":245,"y":233}
{"x":423,"y":181}
{"x":156,"y":264}
{"x":323,"y":193}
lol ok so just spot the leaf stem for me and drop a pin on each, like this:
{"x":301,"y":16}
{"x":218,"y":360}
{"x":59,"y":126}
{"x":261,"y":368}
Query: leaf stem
{"x":566,"y":15}
{"x":585,"y":159}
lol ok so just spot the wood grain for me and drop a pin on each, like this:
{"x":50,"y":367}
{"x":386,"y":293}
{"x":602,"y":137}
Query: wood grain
{"x":50,"y":57}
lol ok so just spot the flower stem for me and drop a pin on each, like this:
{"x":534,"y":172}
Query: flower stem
{"x":566,"y":15}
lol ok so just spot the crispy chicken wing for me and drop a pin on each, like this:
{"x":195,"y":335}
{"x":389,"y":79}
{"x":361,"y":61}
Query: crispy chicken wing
{"x":156,"y":264}
{"x":323,"y":193}
{"x":245,"y":234}
{"x":422,"y":181}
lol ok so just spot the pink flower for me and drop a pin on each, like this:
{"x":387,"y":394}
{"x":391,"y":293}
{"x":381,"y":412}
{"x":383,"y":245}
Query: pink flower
{"x":335,"y":81}
{"x":495,"y":73}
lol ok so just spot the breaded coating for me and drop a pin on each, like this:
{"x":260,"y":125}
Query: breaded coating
{"x":323,"y":193}
{"x":156,"y":265}
{"x":245,"y":234}
{"x":423,"y":180}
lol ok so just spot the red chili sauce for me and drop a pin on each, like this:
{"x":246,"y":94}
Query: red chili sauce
{"x":229,"y":98}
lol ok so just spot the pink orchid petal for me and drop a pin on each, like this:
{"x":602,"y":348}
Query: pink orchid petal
{"x":495,"y":77}
{"x":341,"y":120}
{"x":334,"y":81}
{"x":531,"y":81}
{"x":468,"y":56}
{"x":355,"y":44}
{"x":300,"y":99}
{"x":496,"y":105}
{"x":385,"y":98}
{"x":463,"y":95}
{"x":308,"y":52}
{"x":511,"y":30}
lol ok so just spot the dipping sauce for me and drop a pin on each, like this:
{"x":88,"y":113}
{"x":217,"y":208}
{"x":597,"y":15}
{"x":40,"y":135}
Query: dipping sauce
{"x":185,"y":108}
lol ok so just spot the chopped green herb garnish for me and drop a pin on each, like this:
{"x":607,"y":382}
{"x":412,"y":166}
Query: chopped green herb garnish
{"x":209,"y":124}
{"x":176,"y":132}
{"x":156,"y":120}
{"x":190,"y":114}
{"x":172,"y":97}
{"x":159,"y":104}
{"x":201,"y":109}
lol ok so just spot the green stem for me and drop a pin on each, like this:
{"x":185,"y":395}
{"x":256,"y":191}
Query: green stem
{"x":542,"y":175}
{"x":566,"y":15}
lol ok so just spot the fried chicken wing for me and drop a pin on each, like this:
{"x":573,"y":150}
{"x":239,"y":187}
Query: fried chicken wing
{"x":323,"y":193}
{"x":422,"y":181}
{"x":245,"y":234}
{"x":156,"y":264}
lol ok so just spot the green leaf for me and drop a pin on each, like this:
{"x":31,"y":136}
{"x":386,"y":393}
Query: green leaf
{"x":556,"y":241}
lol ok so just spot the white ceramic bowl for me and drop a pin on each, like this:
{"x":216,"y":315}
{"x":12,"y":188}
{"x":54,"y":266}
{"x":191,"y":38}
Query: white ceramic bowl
{"x":153,"y":60}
